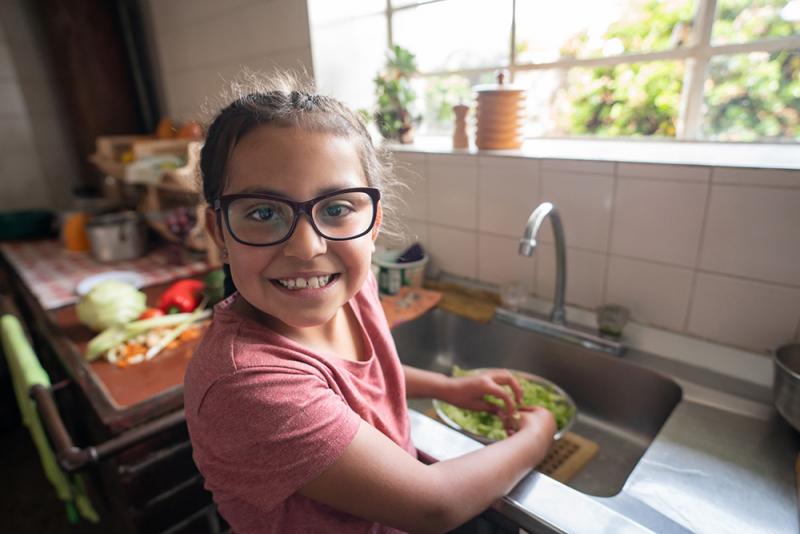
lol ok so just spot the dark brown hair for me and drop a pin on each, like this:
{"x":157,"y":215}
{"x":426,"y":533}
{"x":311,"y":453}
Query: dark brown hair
{"x":282,"y":100}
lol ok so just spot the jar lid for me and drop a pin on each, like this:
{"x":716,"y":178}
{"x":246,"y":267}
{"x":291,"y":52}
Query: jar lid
{"x":500,"y":86}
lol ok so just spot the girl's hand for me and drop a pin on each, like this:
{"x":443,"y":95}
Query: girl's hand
{"x":469,"y":391}
{"x":537,"y":420}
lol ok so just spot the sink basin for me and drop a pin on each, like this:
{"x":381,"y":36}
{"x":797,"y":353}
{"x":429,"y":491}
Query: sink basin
{"x":621,"y":406}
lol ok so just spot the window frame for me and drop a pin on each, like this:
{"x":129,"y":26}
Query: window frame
{"x":697,"y":54}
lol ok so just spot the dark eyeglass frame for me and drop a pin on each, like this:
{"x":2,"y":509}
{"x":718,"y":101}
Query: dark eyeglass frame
{"x":298,"y":208}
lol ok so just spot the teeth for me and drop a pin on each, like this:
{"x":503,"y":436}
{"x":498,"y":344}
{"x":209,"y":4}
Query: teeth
{"x":315,"y":282}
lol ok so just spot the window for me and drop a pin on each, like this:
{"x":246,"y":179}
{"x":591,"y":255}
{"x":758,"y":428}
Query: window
{"x":718,"y":70}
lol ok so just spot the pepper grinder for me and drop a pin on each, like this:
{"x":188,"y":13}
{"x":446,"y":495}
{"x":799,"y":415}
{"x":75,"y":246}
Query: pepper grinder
{"x":460,"y":139}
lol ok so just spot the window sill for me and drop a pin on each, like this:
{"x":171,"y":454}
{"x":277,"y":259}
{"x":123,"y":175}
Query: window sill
{"x":753,"y":155}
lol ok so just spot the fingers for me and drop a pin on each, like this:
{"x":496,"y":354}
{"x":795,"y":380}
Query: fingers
{"x":510,"y":421}
{"x":504,"y":377}
{"x":497,"y":390}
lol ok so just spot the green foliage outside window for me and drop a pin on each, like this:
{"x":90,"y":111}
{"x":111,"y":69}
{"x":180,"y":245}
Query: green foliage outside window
{"x":748,"y":97}
{"x":630,"y":99}
{"x":753,"y":96}
{"x":633,"y":99}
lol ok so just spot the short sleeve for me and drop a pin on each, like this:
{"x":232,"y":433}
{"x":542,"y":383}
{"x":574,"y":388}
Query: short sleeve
{"x":263,"y":434}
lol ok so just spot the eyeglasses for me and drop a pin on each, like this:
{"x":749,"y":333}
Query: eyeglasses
{"x":262,"y":220}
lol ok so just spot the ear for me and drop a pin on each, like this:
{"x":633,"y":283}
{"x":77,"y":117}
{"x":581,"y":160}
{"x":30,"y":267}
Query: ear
{"x":214,"y":227}
{"x":378,"y":219}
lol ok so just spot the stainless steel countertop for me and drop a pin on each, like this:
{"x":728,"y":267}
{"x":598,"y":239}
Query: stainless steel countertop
{"x":722,"y":462}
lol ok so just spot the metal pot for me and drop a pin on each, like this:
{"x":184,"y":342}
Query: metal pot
{"x":786,"y":388}
{"x":117,"y":236}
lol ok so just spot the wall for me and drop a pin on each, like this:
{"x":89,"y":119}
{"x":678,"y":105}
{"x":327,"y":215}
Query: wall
{"x":37,"y":165}
{"x":705,"y":251}
{"x":709,"y":252}
{"x":201,"y":43}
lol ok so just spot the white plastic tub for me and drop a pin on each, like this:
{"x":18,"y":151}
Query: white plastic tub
{"x":392,"y":275}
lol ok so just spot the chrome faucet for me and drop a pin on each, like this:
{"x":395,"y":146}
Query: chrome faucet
{"x":528,"y":243}
{"x":557,"y":325}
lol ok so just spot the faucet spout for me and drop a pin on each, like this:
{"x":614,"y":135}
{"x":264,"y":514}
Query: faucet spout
{"x":528,"y":243}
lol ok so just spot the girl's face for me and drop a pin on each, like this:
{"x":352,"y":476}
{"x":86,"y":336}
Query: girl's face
{"x":297,"y":165}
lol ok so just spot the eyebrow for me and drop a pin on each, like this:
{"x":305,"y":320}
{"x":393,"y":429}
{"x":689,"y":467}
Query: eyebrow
{"x":260,"y":190}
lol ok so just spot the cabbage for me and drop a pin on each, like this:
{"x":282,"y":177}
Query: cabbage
{"x":110,"y":303}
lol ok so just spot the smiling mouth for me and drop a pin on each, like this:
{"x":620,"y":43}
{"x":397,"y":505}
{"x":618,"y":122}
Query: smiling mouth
{"x":313,"y":282}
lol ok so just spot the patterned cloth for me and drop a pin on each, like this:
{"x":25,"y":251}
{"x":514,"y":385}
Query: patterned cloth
{"x":51,"y":272}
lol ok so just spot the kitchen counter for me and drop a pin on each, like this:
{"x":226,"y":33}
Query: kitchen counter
{"x":149,"y":482}
{"x":722,"y":462}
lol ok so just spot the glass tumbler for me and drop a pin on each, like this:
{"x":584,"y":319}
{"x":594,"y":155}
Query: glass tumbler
{"x":611,"y":319}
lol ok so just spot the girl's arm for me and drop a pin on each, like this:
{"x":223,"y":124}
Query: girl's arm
{"x":466,"y":391}
{"x":377,"y":480}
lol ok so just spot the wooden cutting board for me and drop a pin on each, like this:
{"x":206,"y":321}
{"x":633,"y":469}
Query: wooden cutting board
{"x":136,"y":383}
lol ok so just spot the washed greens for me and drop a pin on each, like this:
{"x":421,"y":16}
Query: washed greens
{"x":491,"y":426}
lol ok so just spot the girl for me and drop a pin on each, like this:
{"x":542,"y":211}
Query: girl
{"x":295,"y":398}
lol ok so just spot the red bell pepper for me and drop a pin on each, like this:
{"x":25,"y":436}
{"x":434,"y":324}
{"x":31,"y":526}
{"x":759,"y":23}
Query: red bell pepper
{"x":149,"y":313}
{"x":181,"y":297}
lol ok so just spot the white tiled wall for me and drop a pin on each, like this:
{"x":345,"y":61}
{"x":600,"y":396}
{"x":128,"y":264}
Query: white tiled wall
{"x":709,"y":252}
{"x":203,"y":44}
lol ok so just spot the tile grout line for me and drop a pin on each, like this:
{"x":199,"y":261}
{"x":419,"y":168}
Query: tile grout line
{"x":699,"y":251}
{"x":476,"y":172}
{"x":477,"y":166}
{"x":539,"y":200}
{"x":614,"y":187}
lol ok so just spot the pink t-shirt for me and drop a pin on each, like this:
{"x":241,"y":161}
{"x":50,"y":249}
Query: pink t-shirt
{"x":266,"y":416}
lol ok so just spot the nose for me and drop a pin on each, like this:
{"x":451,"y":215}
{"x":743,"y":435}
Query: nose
{"x":305,"y":243}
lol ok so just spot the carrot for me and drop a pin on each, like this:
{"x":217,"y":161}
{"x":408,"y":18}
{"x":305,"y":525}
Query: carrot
{"x":132,"y":349}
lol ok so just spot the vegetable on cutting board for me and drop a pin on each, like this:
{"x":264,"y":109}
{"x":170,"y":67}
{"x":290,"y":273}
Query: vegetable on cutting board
{"x":149,"y":313}
{"x":215,"y":286}
{"x":118,"y":334}
{"x":181,"y":297}
{"x":110,"y":303}
{"x":148,"y":345}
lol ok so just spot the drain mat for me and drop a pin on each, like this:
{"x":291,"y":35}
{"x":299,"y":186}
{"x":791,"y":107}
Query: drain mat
{"x":565,"y":459}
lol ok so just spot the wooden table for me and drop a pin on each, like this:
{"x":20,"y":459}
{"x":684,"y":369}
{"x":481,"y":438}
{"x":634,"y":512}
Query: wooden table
{"x":152,"y":486}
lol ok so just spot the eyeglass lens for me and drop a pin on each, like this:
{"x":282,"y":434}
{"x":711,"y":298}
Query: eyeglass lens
{"x":265,"y":221}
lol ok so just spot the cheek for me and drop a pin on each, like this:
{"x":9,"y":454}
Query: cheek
{"x":357,"y":255}
{"x":248,"y":261}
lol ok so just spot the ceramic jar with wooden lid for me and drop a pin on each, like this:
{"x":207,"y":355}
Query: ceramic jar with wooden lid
{"x":500,"y":116}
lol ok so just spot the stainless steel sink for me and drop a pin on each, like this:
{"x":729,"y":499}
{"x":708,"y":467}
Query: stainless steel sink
{"x":621,"y":406}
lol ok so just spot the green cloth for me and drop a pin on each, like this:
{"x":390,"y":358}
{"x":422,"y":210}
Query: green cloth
{"x":26,"y":371}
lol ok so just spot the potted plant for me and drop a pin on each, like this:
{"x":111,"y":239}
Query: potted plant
{"x":395,"y":96}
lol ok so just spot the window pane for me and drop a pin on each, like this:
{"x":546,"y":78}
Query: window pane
{"x":325,"y":11}
{"x":754,"y":96}
{"x":436,"y":96}
{"x":347,"y":55}
{"x":627,"y":100}
{"x":742,"y":21}
{"x":453,"y":35}
{"x":401,"y":3}
{"x":547,"y":31}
